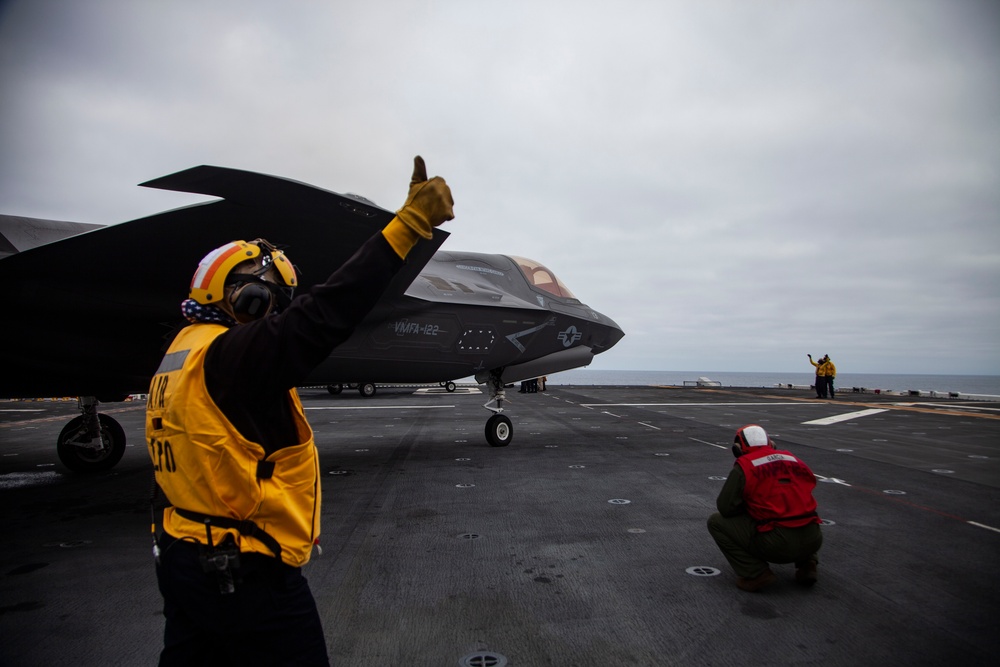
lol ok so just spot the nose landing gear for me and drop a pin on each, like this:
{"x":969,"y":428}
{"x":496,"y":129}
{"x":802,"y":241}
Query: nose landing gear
{"x":499,"y":430}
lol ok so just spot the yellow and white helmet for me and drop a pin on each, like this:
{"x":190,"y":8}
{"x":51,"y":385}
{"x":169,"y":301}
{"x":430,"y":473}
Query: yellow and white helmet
{"x":215,"y":272}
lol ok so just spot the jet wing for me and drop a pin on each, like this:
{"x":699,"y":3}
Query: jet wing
{"x":92,"y":314}
{"x":18,"y":233}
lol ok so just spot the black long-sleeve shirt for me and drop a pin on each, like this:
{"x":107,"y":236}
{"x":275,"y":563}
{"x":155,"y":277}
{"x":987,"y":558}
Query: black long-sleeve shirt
{"x":250,"y":369}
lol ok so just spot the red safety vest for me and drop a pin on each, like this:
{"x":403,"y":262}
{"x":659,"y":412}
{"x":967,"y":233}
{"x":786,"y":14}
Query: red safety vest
{"x":778,"y":489}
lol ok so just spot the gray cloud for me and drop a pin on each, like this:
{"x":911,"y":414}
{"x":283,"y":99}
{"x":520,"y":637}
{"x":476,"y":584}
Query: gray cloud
{"x":735,"y":183}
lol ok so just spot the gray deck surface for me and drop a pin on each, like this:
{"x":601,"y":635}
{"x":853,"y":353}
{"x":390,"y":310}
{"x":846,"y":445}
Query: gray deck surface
{"x":440,"y":550}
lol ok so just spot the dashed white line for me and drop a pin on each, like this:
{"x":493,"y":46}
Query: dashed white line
{"x":706,"y":442}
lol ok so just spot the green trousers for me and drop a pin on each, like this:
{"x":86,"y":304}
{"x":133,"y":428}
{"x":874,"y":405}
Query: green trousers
{"x":749,"y":552}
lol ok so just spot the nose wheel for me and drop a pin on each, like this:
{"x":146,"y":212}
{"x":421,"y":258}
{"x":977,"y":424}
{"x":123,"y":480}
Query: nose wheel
{"x":499,"y":431}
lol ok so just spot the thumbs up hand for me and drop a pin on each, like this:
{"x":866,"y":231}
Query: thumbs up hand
{"x":429,"y":202}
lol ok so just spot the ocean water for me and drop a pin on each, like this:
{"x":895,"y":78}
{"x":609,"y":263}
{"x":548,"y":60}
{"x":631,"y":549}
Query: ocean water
{"x":965,"y":384}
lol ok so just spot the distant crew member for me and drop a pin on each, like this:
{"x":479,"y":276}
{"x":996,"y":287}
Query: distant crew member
{"x":233,"y":452}
{"x":767,"y":513}
{"x":831,"y":373}
{"x":820,"y":383}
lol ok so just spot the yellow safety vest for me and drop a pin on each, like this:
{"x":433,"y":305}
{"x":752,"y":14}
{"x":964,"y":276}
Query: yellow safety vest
{"x":204,"y":465}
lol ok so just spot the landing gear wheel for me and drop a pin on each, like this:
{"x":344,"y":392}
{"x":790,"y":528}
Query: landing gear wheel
{"x":499,"y":431}
{"x":85,"y":459}
{"x":335,"y":388}
{"x":366,"y":389}
{"x":449,"y":386}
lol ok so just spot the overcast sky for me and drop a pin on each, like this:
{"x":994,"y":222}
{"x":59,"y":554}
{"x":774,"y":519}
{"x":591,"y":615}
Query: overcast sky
{"x":736,"y":183}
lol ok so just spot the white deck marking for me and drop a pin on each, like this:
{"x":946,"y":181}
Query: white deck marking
{"x":826,"y":421}
{"x":983,"y":525}
{"x":948,"y":406}
{"x":441,"y":390}
{"x":381,"y":407}
{"x":679,"y":405}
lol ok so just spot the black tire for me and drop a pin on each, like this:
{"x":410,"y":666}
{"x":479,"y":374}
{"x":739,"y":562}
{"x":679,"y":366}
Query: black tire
{"x":82,"y":459}
{"x":366,"y":389}
{"x":449,"y":386}
{"x":335,"y":388}
{"x":499,"y":431}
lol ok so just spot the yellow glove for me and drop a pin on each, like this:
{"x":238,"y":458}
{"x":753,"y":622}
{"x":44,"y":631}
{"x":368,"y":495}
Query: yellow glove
{"x":428,"y":203}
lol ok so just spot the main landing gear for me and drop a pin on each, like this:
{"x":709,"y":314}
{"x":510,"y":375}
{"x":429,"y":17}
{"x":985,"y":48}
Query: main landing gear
{"x":91,"y":442}
{"x":499,"y":430}
{"x":366,"y":389}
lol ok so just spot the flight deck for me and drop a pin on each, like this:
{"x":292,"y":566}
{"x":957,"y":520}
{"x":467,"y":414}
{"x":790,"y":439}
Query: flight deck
{"x":582,"y":543}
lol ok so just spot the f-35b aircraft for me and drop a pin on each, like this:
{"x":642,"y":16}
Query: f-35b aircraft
{"x":90,"y":310}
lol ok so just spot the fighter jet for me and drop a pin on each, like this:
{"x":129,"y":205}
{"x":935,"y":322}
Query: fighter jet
{"x":90,"y":310}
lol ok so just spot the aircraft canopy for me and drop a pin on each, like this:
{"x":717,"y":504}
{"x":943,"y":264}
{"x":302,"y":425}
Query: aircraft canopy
{"x":541,"y":277}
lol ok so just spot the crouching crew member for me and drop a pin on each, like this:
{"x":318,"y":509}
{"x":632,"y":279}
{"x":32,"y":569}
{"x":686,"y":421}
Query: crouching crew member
{"x":767,"y":513}
{"x":232,"y":449}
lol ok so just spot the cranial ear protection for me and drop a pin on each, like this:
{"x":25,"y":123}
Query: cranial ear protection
{"x":737,"y":448}
{"x":251,"y":301}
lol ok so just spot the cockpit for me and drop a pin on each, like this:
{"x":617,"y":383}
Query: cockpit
{"x":541,"y":277}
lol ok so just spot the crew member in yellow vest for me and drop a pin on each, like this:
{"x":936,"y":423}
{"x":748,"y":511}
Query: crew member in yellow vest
{"x":232,"y":449}
{"x":820,"y":384}
{"x":830,"y":372}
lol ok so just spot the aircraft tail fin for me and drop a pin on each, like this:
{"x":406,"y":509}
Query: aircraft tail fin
{"x":249,"y":187}
{"x":288,"y":197}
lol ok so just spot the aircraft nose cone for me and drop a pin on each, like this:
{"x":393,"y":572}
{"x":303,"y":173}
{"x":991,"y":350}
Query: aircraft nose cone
{"x":611,"y":334}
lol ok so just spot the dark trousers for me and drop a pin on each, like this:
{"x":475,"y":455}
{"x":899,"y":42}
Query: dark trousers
{"x":749,"y":551}
{"x":270,"y":619}
{"x":829,"y":385}
{"x":820,"y":386}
